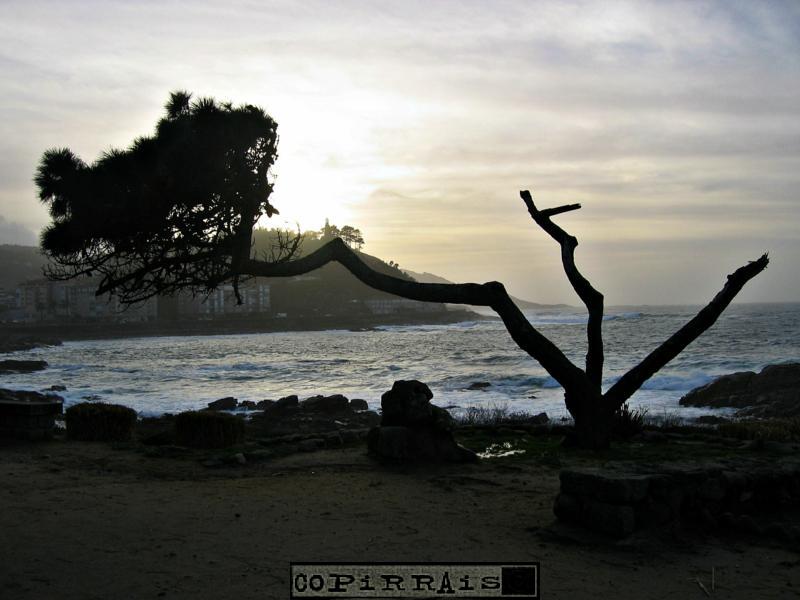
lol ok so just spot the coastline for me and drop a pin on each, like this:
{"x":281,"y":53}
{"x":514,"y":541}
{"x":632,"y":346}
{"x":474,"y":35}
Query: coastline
{"x":50,"y":333}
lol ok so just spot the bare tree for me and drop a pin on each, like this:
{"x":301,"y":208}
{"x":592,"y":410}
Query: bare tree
{"x":147,"y":230}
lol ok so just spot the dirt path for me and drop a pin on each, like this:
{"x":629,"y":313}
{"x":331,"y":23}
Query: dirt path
{"x":83,"y":521}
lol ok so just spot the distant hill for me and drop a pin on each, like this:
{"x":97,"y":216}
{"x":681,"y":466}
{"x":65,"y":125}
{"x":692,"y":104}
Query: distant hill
{"x":522,"y":304}
{"x":330,"y":289}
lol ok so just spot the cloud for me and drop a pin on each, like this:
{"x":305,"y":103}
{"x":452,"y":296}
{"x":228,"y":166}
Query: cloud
{"x":677,"y":125}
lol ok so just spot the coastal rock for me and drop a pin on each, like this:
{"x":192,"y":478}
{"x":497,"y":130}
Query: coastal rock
{"x":406,"y":404}
{"x":413,"y":429}
{"x":265,"y":404}
{"x":56,"y":388}
{"x":479,"y":385}
{"x":246,"y":405}
{"x":287,"y":402}
{"x":326,"y":404}
{"x":227,"y":403}
{"x":22,"y":366}
{"x":358,"y":404}
{"x":774,"y":392}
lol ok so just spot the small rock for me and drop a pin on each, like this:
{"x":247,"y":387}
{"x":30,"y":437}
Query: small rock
{"x":239,"y":458}
{"x":56,"y":388}
{"x":246,"y":405}
{"x":227,"y":403}
{"x":286,"y":402}
{"x":359,"y":404}
{"x":479,"y":385}
{"x":327,"y":404}
{"x":711,"y":420}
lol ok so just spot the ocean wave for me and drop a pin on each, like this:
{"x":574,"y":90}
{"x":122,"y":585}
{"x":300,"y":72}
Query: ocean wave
{"x":575,"y":319}
{"x":678,"y":383}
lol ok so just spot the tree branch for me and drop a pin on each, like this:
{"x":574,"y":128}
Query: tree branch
{"x":491,"y":294}
{"x":588,"y":295}
{"x":677,"y":343}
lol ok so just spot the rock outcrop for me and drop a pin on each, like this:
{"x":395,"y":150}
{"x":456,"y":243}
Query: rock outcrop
{"x":774,"y":392}
{"x":413,"y":429}
{"x":317,"y":414}
{"x":22,"y":366}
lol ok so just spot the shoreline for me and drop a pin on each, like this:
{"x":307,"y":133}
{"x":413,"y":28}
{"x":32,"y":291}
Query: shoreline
{"x":51,"y":334}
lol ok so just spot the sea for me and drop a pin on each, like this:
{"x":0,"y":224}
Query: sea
{"x":156,"y":375}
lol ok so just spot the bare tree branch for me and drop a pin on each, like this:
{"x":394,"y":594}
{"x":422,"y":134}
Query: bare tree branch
{"x":491,"y":294}
{"x":588,"y":295}
{"x":658,"y":358}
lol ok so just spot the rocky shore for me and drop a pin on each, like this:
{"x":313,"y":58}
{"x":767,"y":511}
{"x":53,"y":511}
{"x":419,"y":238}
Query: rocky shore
{"x":772,"y":393}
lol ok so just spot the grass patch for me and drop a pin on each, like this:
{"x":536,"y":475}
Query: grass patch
{"x":495,"y":415}
{"x":777,"y":430}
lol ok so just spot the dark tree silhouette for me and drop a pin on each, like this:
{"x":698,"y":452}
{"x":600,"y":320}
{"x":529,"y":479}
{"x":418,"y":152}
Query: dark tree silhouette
{"x":176,"y":211}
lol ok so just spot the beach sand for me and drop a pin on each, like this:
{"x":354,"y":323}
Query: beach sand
{"x":83,"y":520}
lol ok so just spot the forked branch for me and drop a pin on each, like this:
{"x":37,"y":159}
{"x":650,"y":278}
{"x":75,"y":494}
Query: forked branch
{"x":588,"y":295}
{"x":677,"y":343}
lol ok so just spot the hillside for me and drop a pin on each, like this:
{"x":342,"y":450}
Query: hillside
{"x":522,"y":304}
{"x":18,"y":264}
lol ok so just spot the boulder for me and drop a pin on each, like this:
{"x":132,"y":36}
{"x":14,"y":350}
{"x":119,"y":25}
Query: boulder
{"x":413,"y":429}
{"x":358,"y":404}
{"x":227,"y":403}
{"x":246,"y":405}
{"x":22,"y":366}
{"x":265,"y":404}
{"x":407,"y":403}
{"x":326,"y":404}
{"x":774,"y":392}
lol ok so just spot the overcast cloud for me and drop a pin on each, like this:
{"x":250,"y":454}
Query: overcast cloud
{"x":676,"y":125}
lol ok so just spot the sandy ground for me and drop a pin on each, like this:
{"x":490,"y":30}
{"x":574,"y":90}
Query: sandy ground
{"x":84,"y":521}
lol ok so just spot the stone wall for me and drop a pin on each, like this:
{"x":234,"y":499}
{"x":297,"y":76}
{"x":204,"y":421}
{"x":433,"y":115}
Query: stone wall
{"x":619,"y":501}
{"x":28,"y":415}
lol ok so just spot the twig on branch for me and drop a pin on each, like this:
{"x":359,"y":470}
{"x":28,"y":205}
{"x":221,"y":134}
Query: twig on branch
{"x":588,"y":295}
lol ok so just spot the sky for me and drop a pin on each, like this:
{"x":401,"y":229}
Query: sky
{"x":676,"y":125}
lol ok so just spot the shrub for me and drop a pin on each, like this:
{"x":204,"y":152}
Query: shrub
{"x":627,"y":422}
{"x":205,"y":429}
{"x":98,"y":421}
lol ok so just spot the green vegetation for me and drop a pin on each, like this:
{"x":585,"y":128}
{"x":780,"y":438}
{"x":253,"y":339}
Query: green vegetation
{"x":98,"y":421}
{"x":206,"y":429}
